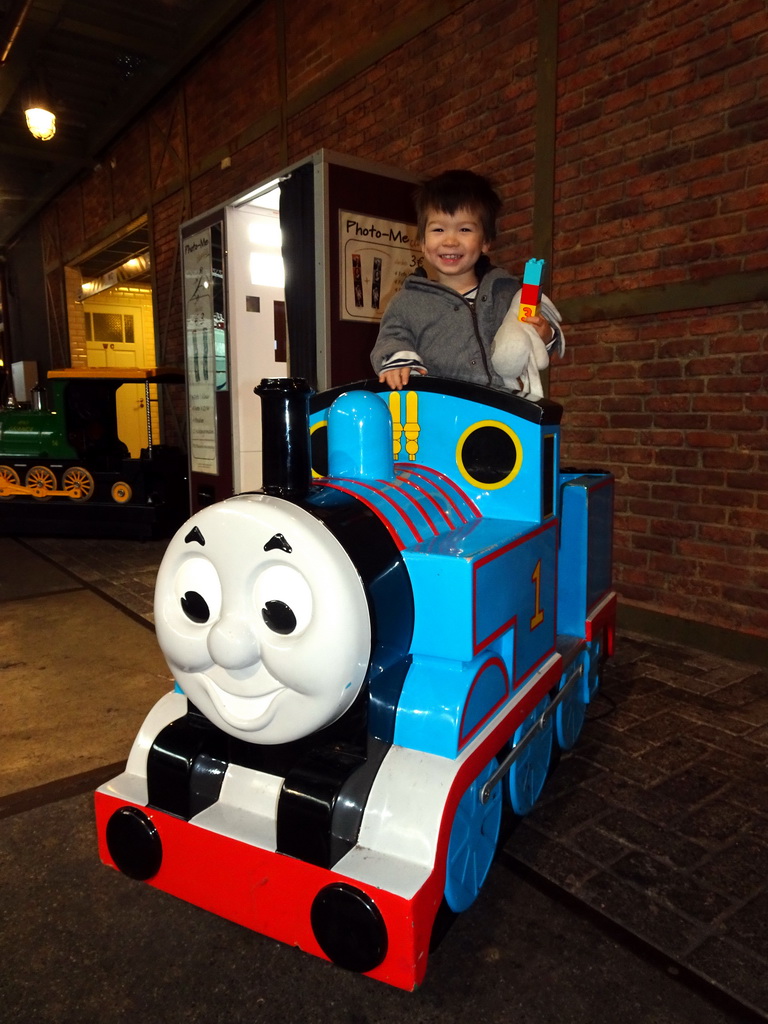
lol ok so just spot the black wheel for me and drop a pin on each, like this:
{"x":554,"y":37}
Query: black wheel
{"x":134,"y":843}
{"x":349,"y":927}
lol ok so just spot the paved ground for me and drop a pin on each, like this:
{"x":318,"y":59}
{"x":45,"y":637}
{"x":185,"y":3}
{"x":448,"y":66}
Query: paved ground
{"x":123,"y":571}
{"x":88,"y":946}
{"x":659,"y":819}
{"x":637,"y":891}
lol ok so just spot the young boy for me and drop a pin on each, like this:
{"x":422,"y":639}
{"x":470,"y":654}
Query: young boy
{"x":444,"y":322}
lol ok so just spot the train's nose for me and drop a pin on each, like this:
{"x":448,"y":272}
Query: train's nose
{"x":233,"y":644}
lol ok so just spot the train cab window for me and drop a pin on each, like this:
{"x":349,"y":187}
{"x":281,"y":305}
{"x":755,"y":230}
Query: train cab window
{"x":548,"y":477}
{"x":318,"y":441}
{"x":489,"y":454}
{"x":91,"y":418}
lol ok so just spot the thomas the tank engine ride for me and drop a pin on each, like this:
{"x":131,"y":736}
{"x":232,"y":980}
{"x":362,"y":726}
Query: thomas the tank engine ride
{"x":374,"y":657}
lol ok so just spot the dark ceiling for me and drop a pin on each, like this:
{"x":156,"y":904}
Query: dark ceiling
{"x":102,"y":62}
{"x":114,"y":255}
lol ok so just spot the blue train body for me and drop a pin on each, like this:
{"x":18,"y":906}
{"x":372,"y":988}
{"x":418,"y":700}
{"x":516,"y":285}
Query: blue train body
{"x":375,"y":656}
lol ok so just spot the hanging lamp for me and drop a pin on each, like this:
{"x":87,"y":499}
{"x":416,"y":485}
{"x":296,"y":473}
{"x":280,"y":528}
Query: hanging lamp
{"x":41,"y":119}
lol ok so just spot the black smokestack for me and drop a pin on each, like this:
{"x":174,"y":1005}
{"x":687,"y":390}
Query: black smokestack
{"x":286,"y":463}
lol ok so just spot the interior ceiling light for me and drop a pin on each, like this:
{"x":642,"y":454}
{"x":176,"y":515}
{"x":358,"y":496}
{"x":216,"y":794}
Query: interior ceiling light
{"x":38,"y":110}
{"x":41,"y":122}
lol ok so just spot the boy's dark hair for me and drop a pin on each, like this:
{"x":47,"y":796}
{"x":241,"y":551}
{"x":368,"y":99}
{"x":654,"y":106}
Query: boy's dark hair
{"x":455,"y":190}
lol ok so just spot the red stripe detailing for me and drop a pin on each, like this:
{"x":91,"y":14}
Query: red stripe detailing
{"x":409,"y":497}
{"x":325,"y":482}
{"x":524,"y":539}
{"x":385,"y":497}
{"x":428,"y":497}
{"x":432,"y":476}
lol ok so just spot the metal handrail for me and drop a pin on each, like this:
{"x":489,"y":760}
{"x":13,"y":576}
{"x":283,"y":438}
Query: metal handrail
{"x":517,"y":750}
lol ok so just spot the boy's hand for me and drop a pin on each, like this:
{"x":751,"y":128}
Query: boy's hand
{"x":398,"y":378}
{"x":543,"y":327}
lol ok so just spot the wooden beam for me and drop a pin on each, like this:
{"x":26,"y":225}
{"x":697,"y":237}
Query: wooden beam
{"x":723,"y":290}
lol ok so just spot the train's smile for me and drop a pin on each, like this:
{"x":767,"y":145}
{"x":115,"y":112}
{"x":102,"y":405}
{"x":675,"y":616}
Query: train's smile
{"x":242,"y":712}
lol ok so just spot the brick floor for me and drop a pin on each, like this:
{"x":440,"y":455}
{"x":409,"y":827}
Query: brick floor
{"x":123,"y":570}
{"x":659,"y":818}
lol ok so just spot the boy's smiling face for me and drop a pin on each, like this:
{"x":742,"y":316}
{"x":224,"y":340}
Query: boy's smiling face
{"x":452,"y":245}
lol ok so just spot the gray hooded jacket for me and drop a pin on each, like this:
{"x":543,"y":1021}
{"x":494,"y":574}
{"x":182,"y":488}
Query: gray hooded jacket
{"x":449,"y":336}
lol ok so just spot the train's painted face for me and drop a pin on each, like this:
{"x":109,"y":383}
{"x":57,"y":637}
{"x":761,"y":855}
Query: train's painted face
{"x":263,"y":619}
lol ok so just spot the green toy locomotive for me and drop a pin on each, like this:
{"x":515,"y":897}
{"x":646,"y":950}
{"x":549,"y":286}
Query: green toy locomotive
{"x":65,"y":469}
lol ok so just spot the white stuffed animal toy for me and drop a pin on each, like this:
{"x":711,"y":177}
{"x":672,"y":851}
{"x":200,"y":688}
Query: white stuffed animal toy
{"x":518,"y":354}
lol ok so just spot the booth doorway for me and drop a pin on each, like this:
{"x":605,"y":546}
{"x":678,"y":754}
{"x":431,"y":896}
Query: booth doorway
{"x":271,"y":277}
{"x":112,"y":325}
{"x":119,"y":332}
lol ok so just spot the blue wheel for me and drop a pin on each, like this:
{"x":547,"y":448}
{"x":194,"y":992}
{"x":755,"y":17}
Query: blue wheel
{"x":572,"y":710}
{"x":472,"y":845}
{"x":595,"y":666}
{"x":528,"y":773}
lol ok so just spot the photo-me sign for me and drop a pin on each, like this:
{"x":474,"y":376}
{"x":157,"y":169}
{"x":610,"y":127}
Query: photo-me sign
{"x":205,"y":344}
{"x":371,"y":248}
{"x":377,"y":255}
{"x":198,"y":287}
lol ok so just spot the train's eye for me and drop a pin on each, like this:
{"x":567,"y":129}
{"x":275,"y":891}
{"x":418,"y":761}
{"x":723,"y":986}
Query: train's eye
{"x":279,"y":617}
{"x":198,"y":590}
{"x":285,"y":599}
{"x":195,"y":607}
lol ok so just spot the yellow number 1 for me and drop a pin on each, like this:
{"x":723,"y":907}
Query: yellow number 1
{"x":538,"y":617}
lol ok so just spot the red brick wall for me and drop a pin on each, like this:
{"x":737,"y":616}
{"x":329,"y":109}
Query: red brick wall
{"x":676,"y":408}
{"x":661,"y":185}
{"x":662,"y":179}
{"x":237,"y":84}
{"x":661,"y":143}
{"x":461,"y":93}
